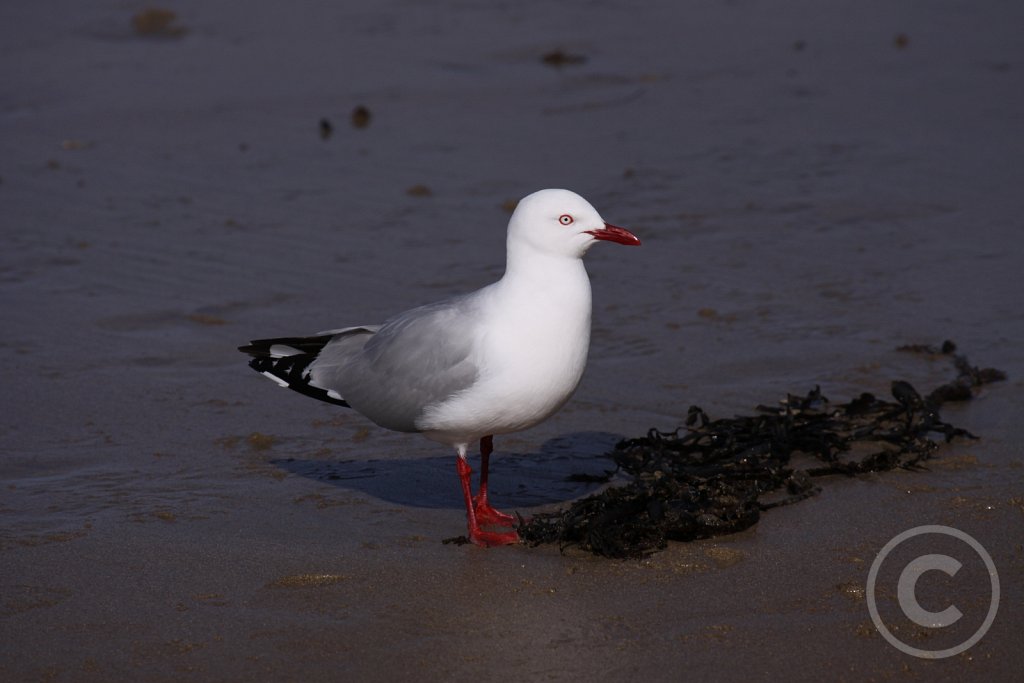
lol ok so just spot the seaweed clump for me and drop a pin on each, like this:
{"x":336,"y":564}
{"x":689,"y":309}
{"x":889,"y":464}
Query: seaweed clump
{"x":714,"y":477}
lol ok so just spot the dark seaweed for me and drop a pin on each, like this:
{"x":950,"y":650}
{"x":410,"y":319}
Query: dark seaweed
{"x":713,"y":477}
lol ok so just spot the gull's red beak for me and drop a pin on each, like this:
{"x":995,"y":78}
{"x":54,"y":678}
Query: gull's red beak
{"x":613,"y":233}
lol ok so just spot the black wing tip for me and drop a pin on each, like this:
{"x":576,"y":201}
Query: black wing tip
{"x":253,"y":349}
{"x":288,"y":371}
{"x":264,"y":364}
{"x":261,"y":347}
{"x":305,"y":345}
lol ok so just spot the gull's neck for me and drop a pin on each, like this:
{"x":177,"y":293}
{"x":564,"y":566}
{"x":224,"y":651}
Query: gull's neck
{"x":529,"y":268}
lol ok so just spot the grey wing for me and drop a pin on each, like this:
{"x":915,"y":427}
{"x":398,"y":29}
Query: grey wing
{"x":417,"y":359}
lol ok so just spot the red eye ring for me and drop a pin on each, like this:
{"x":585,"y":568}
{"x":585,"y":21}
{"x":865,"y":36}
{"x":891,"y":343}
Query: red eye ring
{"x":565,"y":219}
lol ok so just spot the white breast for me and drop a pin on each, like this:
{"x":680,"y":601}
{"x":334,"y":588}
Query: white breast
{"x":531,"y":349}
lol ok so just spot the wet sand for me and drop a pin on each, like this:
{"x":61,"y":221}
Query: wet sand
{"x":813,"y":188}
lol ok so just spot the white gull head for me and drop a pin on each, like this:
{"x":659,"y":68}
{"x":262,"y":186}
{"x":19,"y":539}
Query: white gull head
{"x":559,"y":223}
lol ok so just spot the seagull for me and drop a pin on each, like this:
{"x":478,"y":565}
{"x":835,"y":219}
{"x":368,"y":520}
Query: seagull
{"x":494,"y":361}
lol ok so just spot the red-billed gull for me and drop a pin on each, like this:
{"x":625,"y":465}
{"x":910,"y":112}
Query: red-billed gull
{"x":498,"y":360}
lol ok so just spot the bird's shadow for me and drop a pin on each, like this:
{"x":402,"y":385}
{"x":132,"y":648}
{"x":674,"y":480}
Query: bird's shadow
{"x":517,"y":480}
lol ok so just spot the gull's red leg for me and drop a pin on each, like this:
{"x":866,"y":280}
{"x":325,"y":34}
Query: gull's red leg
{"x":476,"y":534}
{"x":486,"y":514}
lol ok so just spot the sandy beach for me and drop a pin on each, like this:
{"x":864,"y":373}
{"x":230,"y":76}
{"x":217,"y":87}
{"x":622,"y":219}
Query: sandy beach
{"x":815,"y":184}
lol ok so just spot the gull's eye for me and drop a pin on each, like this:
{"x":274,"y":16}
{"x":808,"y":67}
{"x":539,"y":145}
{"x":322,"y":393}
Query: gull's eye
{"x":565,"y":219}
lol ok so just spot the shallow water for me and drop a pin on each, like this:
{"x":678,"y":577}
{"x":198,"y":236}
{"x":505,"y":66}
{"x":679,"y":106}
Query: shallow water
{"x":810,"y":196}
